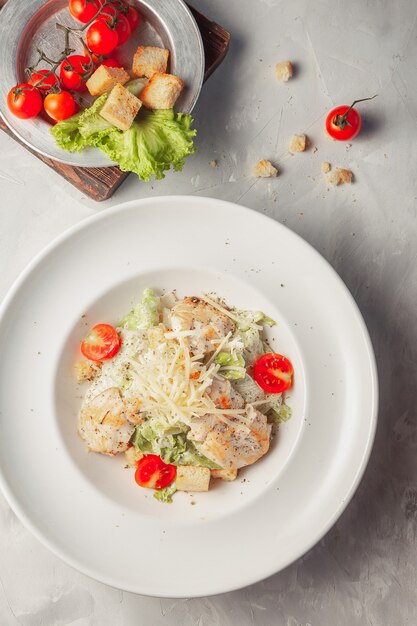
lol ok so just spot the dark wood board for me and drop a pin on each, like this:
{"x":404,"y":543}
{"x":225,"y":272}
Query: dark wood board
{"x":99,"y":183}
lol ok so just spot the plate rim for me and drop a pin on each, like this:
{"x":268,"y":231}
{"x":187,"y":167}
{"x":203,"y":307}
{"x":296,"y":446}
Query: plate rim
{"x":67,"y":160}
{"x":373,"y":392}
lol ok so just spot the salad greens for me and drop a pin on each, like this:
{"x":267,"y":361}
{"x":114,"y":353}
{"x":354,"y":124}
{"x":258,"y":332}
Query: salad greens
{"x":145,"y":314}
{"x":231,"y":366}
{"x":156,"y":140}
{"x":165,"y":495}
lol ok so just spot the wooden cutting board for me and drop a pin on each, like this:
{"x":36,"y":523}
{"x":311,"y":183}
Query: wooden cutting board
{"x":99,"y":183}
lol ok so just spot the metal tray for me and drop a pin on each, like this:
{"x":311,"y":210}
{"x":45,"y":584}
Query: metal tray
{"x":24,"y":26}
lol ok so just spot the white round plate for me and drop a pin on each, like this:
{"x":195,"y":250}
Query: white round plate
{"x":86,"y":507}
{"x":29,"y":24}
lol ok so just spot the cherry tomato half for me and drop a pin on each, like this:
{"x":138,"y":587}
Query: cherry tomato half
{"x":133,"y":17}
{"x":153,"y":473}
{"x":273,"y":373}
{"x":24,"y":101}
{"x":74,"y":71}
{"x":84,"y":10}
{"x":60,"y":106}
{"x":122,"y":26}
{"x":101,"y":343}
{"x":341,"y":126}
{"x":47,"y":83}
{"x":101,"y":39}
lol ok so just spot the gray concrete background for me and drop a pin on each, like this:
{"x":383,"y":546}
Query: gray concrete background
{"x":364,"y":571}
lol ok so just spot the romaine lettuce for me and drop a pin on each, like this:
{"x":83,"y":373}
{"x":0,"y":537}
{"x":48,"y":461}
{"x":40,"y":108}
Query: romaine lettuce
{"x":145,"y":314}
{"x":231,"y":367}
{"x":165,"y":495}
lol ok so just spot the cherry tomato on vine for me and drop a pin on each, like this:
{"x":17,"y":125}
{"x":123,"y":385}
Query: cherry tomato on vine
{"x":102,"y":342}
{"x":153,"y":473}
{"x":84,"y":10}
{"x":273,"y":373}
{"x":111,"y":62}
{"x":24,"y":101}
{"x":133,"y":17}
{"x":75,"y":71}
{"x":47,"y":83}
{"x":344,"y":122}
{"x":101,"y":39}
{"x":60,"y":106}
{"x":122,"y":26}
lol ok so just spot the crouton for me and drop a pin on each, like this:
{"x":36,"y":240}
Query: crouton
{"x":121,"y":108}
{"x":191,"y":478}
{"x":162,"y":91}
{"x":133,"y":456}
{"x":149,"y":60}
{"x":225,"y":474}
{"x":265,"y":169}
{"x":298,"y":143}
{"x":105,"y":78}
{"x":340,"y":176}
{"x":325,"y":167}
{"x":86,"y":370}
{"x":284,"y":70}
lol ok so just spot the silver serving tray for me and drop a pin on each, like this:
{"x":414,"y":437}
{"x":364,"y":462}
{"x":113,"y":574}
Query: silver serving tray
{"x":28,"y":24}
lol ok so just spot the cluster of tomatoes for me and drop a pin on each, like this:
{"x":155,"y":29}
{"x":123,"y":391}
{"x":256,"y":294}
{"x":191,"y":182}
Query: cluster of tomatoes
{"x":50,"y":89}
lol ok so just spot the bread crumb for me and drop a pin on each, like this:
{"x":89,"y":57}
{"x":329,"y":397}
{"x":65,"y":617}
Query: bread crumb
{"x":86,"y":370}
{"x":315,"y":150}
{"x":325,"y":167}
{"x":284,"y":70}
{"x":340,"y":176}
{"x":213,"y":163}
{"x":265,"y":169}
{"x":298,"y":143}
{"x":132,"y":456}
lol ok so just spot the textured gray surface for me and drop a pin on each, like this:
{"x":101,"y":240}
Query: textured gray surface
{"x":364,"y":571}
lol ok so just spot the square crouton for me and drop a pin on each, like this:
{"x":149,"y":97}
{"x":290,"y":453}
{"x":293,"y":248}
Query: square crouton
{"x":284,"y":70}
{"x":121,"y":108}
{"x":149,"y":60}
{"x":162,"y":91}
{"x":225,"y":474}
{"x":265,"y":169}
{"x":191,"y":478}
{"x":105,"y":78}
{"x":325,"y":167}
{"x":340,"y":176}
{"x":298,"y":143}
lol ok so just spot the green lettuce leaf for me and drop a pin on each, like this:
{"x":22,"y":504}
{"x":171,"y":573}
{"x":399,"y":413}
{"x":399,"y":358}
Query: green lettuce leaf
{"x":280,"y":413}
{"x":156,"y":141}
{"x":173,"y":447}
{"x":165,"y":495}
{"x":256,"y":317}
{"x":67,"y":134}
{"x":232,"y":367}
{"x":145,"y":314}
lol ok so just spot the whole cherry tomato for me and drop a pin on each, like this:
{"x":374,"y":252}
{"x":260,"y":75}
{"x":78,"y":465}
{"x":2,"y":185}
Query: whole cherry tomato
{"x":133,"y":17}
{"x":48,"y":80}
{"x":121,"y":26}
{"x":84,"y":10}
{"x":74,"y":71}
{"x":24,"y":101}
{"x":60,"y":106}
{"x":111,"y":62}
{"x":344,"y":122}
{"x":101,"y":38}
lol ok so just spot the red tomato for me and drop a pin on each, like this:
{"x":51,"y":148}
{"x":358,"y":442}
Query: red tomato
{"x":122,"y":26}
{"x":84,"y":10}
{"x":47,"y":83}
{"x":273,"y":372}
{"x":101,"y":39}
{"x":344,"y":122}
{"x":75,"y":71}
{"x":133,"y":17}
{"x":102,"y":342}
{"x":111,"y":62}
{"x":60,"y":106}
{"x":153,"y":473}
{"x":24,"y":101}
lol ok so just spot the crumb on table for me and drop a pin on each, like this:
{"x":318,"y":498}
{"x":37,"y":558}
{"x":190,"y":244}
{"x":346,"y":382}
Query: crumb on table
{"x":284,"y":70}
{"x":325,"y":167}
{"x":213,"y":163}
{"x":298,"y":143}
{"x":340,"y":176}
{"x":265,"y":169}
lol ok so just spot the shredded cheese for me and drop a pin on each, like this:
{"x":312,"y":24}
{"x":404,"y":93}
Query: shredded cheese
{"x":239,"y":320}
